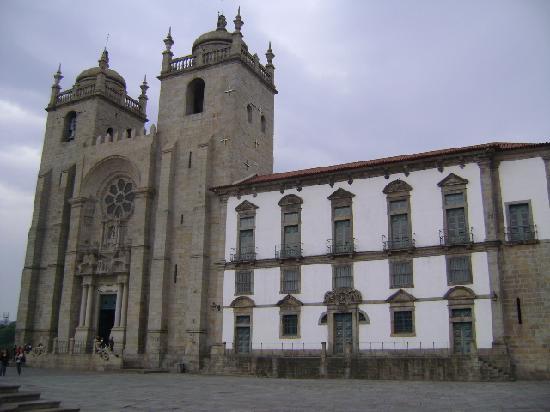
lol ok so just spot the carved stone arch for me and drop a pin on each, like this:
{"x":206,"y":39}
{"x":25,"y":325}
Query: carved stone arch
{"x":106,"y":169}
{"x":290,"y":200}
{"x":289,"y":301}
{"x":343,"y":296}
{"x":401,"y":296}
{"x":323,"y":319}
{"x":242,"y":302}
{"x":397,"y":186}
{"x":246,"y":206}
{"x":460,"y":293}
{"x":453,"y":180}
{"x":340,"y":194}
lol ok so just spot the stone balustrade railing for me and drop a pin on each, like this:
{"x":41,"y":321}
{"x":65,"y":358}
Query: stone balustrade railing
{"x":185,"y":63}
{"x":110,"y":93}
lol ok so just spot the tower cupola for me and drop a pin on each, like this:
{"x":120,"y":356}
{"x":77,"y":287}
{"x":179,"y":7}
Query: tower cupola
{"x":215,"y":39}
{"x":89,"y":76}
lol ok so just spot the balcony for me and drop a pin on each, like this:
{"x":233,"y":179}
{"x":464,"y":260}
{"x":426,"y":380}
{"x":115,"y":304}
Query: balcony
{"x":521,"y":234}
{"x":456,"y":237}
{"x":243,"y":255}
{"x":288,"y":251}
{"x":335,"y":248}
{"x":398,"y":243}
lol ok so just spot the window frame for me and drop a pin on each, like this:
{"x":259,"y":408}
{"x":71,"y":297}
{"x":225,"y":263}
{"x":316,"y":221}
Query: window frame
{"x":448,"y":259}
{"x":393,"y":262}
{"x":291,"y":204}
{"x":339,"y":199}
{"x":454,"y":184}
{"x":284,"y":269}
{"x":399,"y":190}
{"x":245,"y":210}
{"x":67,"y":119}
{"x":531,"y":220}
{"x":335,"y":269}
{"x":290,"y":306}
{"x":250,"y":283}
{"x":402,"y":301}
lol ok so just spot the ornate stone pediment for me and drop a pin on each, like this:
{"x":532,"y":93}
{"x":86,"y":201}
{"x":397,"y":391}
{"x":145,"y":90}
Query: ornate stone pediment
{"x":290,"y":200}
{"x":343,"y":296}
{"x":94,"y":263}
{"x":340,"y":194}
{"x":400,"y":296}
{"x":246,"y":206}
{"x":289,"y":301}
{"x":453,"y":180}
{"x":460,"y":293}
{"x":242,"y":302}
{"x":397,"y":186}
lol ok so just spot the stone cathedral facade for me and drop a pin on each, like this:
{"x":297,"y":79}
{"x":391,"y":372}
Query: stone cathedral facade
{"x":182,"y":246}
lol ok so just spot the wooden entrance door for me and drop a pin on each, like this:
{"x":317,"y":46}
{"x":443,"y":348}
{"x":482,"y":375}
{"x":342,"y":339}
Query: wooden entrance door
{"x":462,"y":337}
{"x":343,"y":331}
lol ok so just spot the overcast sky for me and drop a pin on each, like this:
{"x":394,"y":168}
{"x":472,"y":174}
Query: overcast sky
{"x":357,"y":80}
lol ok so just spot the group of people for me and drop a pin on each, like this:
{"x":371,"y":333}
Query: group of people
{"x":18,"y":357}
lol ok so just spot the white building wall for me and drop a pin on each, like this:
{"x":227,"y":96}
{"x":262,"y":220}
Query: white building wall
{"x":526,"y":180}
{"x":371,"y":278}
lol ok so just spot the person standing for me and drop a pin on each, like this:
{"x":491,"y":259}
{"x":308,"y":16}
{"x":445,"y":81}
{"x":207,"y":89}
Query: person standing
{"x":4,"y":358}
{"x":19,"y":361}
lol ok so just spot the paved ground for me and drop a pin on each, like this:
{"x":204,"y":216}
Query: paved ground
{"x":95,"y":391}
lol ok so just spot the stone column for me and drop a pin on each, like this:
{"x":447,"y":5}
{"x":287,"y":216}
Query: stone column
{"x":124,"y":304}
{"x":118,"y":304}
{"x":68,"y":311}
{"x":83,"y":305}
{"x":494,"y":232}
{"x":89,"y":303}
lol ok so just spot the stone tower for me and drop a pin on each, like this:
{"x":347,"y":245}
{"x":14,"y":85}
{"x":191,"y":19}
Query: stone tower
{"x":215,"y":127}
{"x":127,"y":240}
{"x":97,"y":104}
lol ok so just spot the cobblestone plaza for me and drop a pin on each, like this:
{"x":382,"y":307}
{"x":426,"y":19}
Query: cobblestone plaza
{"x":93,"y":391}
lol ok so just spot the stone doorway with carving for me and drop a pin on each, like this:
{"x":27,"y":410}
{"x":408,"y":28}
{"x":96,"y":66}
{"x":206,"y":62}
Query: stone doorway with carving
{"x":343,"y":319}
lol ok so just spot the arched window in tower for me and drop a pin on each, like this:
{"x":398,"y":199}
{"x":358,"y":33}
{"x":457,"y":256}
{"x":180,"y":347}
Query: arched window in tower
{"x":69,"y":128}
{"x":263,"y":123}
{"x":195,"y":96}
{"x":249,"y":113}
{"x":110,"y":131}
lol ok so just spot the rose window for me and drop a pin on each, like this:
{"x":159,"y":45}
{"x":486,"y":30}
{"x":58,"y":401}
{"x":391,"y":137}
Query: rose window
{"x":119,"y":198}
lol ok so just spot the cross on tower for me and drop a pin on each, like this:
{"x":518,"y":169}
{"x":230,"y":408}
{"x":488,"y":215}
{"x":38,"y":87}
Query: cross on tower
{"x":247,"y":165}
{"x":229,"y":91}
{"x":225,"y":140}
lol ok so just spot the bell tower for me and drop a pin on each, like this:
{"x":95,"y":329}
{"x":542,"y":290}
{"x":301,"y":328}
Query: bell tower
{"x":215,"y":127}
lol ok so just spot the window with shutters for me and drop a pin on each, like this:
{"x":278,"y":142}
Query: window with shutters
{"x":455,"y":211}
{"x":520,"y":222}
{"x":399,"y":224}
{"x":290,"y":279}
{"x":244,"y":282}
{"x":342,"y":241}
{"x":401,"y":274}
{"x":291,"y":246}
{"x":290,"y":325}
{"x":459,"y":270}
{"x":342,"y":276}
{"x":245,"y":250}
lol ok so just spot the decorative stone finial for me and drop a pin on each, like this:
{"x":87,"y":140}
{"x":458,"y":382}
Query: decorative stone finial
{"x":269,"y":55}
{"x":168,"y":41}
{"x":238,"y":21}
{"x":104,"y":60}
{"x":144,"y":86}
{"x":222,"y":22}
{"x":143,"y":96}
{"x":57,"y":76}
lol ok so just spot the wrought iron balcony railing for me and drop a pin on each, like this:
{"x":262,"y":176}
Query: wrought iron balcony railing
{"x":288,"y":251}
{"x":462,"y":236}
{"x":243,"y":255}
{"x":518,"y":234}
{"x":340,"y":248}
{"x":398,"y":242}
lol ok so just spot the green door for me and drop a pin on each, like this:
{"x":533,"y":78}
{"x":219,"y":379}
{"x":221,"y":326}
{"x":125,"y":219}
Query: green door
{"x":242,"y":334}
{"x":462,"y":337}
{"x":343,"y":331}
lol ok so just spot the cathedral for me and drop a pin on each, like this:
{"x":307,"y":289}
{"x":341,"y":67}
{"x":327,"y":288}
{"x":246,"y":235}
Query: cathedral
{"x":181,"y":247}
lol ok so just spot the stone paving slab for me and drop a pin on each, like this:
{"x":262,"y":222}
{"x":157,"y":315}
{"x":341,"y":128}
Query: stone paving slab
{"x":95,"y":391}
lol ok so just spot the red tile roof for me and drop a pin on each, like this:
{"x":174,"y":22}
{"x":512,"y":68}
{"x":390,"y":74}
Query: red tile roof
{"x":497,"y":146}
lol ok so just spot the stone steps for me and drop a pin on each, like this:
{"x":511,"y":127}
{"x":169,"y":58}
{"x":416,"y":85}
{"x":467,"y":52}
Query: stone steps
{"x":12,"y":400}
{"x":143,"y":370}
